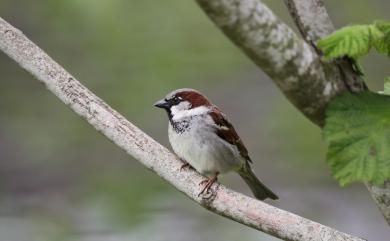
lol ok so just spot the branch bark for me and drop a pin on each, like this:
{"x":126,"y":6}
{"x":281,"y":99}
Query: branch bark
{"x":225,"y":202}
{"x":311,"y":18}
{"x":274,"y":47}
{"x":314,"y":23}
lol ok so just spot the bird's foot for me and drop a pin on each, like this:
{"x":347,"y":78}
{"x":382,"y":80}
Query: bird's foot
{"x":208,"y":183}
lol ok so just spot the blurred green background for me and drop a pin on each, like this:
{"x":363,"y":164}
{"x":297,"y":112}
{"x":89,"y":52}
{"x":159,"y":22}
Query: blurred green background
{"x":61,"y":180}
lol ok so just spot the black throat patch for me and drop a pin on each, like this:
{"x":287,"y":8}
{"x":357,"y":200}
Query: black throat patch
{"x":180,"y":126}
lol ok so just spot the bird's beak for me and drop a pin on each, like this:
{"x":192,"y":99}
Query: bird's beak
{"x":162,"y":104}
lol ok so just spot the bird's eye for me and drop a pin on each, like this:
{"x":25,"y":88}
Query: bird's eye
{"x":176,"y":100}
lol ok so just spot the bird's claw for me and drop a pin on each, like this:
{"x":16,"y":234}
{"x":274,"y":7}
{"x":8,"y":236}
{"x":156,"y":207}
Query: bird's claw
{"x":208,"y":183}
{"x":204,"y":182}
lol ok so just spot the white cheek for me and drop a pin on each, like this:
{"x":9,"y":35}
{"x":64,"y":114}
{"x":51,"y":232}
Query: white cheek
{"x":185,"y":105}
{"x":189,"y":112}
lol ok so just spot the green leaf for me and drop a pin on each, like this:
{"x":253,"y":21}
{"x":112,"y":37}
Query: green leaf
{"x":383,"y":45}
{"x":357,"y":130}
{"x":353,"y":41}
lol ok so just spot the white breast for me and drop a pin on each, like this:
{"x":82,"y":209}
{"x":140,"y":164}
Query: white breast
{"x":202,"y":148}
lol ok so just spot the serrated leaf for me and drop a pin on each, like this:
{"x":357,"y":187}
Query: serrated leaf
{"x":357,"y":130}
{"x":383,"y":44}
{"x":353,"y":41}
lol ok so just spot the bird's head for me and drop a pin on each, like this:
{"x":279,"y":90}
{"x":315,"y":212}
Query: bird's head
{"x":184,"y":103}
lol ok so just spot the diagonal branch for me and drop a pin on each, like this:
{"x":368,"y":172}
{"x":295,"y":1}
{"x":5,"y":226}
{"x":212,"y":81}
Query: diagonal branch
{"x":223,"y":201}
{"x":314,"y":23}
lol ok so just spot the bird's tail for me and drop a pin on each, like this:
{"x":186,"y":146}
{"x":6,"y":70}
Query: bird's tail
{"x":260,"y":191}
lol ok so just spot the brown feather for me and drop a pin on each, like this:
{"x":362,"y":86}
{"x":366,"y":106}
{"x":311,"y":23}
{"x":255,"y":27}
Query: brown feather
{"x":228,"y":133}
{"x":196,"y":99}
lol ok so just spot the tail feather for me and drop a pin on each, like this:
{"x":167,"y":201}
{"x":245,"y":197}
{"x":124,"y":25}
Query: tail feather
{"x":260,"y":191}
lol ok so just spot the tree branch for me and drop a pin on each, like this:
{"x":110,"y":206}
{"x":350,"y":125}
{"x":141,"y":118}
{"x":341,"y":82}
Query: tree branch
{"x":311,"y":18}
{"x":274,"y":47}
{"x":314,"y":23}
{"x":225,"y":202}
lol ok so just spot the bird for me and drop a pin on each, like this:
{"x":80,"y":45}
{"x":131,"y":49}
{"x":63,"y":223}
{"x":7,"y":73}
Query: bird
{"x":203,"y":138}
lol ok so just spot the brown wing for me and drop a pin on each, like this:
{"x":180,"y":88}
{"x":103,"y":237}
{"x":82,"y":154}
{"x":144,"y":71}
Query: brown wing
{"x":228,"y":133}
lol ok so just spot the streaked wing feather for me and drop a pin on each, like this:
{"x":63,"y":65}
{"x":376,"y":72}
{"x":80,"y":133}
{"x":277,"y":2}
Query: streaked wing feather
{"x":227,"y":132}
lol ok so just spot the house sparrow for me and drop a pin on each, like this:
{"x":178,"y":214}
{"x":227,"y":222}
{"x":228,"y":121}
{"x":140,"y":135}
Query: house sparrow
{"x":201,"y":135}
